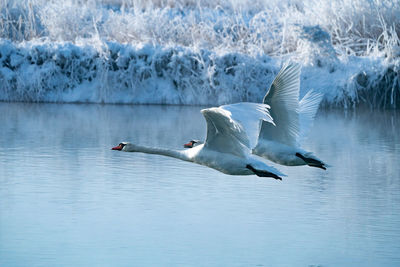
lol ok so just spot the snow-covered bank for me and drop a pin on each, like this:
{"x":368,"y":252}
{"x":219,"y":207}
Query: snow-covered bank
{"x":127,"y":74}
{"x":209,"y":52}
{"x":119,"y":73}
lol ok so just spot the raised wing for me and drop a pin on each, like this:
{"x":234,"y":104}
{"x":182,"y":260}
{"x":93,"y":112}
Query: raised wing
{"x":308,"y":107}
{"x":283,"y":97}
{"x":250,"y":116}
{"x":234,"y":128}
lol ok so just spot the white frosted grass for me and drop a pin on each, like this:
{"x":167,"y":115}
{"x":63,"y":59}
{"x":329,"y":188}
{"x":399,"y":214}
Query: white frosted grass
{"x":361,"y":27}
{"x":191,"y":52}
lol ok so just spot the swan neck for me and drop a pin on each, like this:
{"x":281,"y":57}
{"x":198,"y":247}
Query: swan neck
{"x":159,"y":151}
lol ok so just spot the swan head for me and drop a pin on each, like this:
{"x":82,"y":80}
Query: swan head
{"x":121,"y":146}
{"x":192,"y":143}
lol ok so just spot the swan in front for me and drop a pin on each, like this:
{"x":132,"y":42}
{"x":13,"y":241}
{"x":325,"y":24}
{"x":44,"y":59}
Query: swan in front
{"x":280,"y":142}
{"x":231,"y":133}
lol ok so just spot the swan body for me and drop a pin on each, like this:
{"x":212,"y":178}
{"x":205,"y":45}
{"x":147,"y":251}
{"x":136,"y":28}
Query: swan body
{"x":282,"y":154}
{"x":227,"y":147}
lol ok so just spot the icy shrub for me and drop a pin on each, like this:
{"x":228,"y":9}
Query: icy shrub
{"x":382,"y":91}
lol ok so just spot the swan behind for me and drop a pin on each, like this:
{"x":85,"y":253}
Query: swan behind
{"x":280,"y":142}
{"x":293,"y":119}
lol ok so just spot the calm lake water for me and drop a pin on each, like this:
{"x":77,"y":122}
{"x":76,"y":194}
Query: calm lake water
{"x":66,"y":199}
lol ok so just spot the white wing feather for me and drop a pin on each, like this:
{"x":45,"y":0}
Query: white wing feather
{"x":283,"y":97}
{"x":250,"y":115}
{"x":231,"y":128}
{"x":308,"y":107}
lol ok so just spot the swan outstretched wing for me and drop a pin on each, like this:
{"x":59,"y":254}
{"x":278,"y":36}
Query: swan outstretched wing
{"x":283,"y":97}
{"x":234,"y":128}
{"x":308,"y":107}
{"x":250,"y":115}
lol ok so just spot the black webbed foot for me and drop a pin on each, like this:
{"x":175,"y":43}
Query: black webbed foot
{"x":312,"y":162}
{"x":263,"y":173}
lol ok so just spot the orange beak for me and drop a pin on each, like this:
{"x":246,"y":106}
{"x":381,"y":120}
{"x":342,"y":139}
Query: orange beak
{"x":119,"y":147}
{"x":188,"y":145}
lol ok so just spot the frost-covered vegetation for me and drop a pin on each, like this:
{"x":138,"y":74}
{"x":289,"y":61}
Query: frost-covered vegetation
{"x":197,"y":52}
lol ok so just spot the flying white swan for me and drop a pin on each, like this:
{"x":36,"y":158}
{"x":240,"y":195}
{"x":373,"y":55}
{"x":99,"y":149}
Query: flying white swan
{"x":293,"y":118}
{"x":231,"y":133}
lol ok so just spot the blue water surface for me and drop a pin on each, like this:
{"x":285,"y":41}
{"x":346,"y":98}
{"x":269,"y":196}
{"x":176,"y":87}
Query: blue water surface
{"x":66,"y":199}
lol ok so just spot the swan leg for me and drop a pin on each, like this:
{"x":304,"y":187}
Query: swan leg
{"x":312,"y":162}
{"x":262,"y":173}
